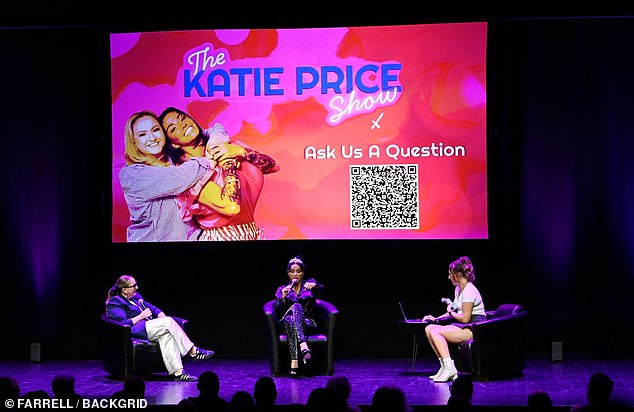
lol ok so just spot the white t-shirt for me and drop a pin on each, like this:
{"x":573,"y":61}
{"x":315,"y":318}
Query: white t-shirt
{"x":469,"y":294}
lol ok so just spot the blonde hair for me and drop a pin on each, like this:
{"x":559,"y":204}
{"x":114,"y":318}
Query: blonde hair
{"x":124,"y":281}
{"x":132,"y":153}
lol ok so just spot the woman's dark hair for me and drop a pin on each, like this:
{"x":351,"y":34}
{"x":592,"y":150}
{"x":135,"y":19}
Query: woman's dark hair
{"x":297,"y":260}
{"x":175,"y":154}
{"x":464,"y":266}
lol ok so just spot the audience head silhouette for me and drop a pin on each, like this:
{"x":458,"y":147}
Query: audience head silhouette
{"x":599,"y":388}
{"x":208,"y":399}
{"x":321,"y":400}
{"x":242,"y":401}
{"x":37,"y":394}
{"x":133,"y":388}
{"x":63,"y":387}
{"x":9,"y":388}
{"x":539,"y":401}
{"x":389,"y":398}
{"x":208,"y":384}
{"x":340,"y":385}
{"x":265,"y":392}
{"x":463,"y":387}
{"x":458,"y":403}
{"x":341,"y":390}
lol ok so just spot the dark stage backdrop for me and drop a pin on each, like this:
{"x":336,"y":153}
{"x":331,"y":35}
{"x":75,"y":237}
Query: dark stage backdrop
{"x":561,"y":198}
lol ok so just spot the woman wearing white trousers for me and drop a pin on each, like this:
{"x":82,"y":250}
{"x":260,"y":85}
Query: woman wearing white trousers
{"x":148,"y":322}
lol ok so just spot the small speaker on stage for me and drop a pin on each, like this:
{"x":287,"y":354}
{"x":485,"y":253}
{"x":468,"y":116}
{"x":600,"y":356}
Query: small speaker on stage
{"x":557,"y":352}
{"x":36,"y":352}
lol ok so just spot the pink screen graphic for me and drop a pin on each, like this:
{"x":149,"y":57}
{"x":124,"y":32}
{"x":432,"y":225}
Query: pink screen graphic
{"x":379,"y":132}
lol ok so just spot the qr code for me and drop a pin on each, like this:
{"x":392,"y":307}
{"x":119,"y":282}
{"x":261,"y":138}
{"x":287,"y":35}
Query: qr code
{"x":384,"y":197}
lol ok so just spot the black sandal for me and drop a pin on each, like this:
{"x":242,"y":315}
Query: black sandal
{"x":306,"y":356}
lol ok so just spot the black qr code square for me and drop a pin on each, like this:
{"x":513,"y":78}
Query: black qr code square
{"x":384,"y":197}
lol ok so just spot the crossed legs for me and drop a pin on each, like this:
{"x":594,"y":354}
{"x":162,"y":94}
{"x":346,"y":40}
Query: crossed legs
{"x":294,"y":323}
{"x":173,"y":341}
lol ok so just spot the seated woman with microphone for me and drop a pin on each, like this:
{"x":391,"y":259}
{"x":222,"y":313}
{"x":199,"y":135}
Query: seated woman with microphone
{"x":294,"y":303}
{"x":466,"y":307}
{"x":148,"y":322}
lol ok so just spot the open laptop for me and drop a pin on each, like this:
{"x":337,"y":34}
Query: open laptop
{"x":400,"y":305}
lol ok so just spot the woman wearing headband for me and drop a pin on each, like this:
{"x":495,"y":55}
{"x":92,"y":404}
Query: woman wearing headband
{"x":294,"y":304}
{"x":148,"y":322}
{"x":466,"y":307}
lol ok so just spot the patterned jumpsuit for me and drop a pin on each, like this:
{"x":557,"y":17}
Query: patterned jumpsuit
{"x":294,"y":313}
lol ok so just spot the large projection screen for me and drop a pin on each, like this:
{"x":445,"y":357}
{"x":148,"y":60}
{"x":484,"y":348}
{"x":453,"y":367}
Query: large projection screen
{"x":379,"y":132}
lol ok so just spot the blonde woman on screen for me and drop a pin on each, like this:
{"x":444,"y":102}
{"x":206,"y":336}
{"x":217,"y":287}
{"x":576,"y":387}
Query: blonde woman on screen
{"x":150,"y":183}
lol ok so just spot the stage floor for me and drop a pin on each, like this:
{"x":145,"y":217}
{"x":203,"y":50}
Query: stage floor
{"x":565,"y":381}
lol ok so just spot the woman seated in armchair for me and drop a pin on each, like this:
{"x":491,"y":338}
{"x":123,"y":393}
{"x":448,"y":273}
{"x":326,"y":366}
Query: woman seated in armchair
{"x":294,"y":304}
{"x":148,"y":322}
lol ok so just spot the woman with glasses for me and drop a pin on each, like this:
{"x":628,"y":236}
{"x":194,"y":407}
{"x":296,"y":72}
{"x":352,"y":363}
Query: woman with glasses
{"x":148,"y":322}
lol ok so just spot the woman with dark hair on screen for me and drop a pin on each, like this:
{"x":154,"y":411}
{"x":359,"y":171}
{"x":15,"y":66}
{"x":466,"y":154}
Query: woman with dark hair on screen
{"x":148,"y":322}
{"x":466,"y":307}
{"x":239,"y":168}
{"x":294,"y":304}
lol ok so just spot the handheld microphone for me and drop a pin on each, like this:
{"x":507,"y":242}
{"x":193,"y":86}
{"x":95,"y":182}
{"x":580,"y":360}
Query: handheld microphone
{"x":144,"y":307}
{"x":448,"y":301}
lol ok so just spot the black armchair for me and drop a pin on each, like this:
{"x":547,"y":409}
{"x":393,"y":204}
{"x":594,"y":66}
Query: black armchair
{"x":123,"y":354}
{"x":498,"y":347}
{"x":320,"y":343}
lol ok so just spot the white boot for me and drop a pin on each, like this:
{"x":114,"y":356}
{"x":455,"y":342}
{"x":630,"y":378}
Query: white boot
{"x":437,"y":374}
{"x":449,"y":373}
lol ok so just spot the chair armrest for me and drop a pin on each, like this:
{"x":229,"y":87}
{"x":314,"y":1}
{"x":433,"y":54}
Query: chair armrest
{"x":326,"y":315}
{"x":272,"y":340}
{"x":269,"y":308}
{"x":113,"y":322}
{"x":329,"y":307}
{"x":270,"y":314}
{"x":324,"y":312}
{"x":271,"y":320}
{"x":487,"y":325}
{"x":504,"y":333}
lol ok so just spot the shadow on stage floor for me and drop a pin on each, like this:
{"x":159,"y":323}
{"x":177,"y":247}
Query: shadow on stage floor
{"x":565,"y":381}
